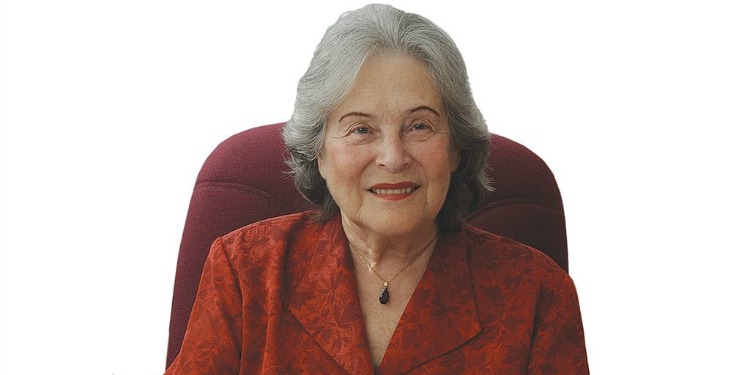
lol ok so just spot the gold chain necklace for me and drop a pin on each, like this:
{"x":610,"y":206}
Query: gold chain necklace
{"x":384,"y":295}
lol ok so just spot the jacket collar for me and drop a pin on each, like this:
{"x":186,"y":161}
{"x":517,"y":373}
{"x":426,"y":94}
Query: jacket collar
{"x":323,"y":298}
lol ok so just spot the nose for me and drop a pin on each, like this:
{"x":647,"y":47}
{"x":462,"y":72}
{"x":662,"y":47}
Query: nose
{"x":393,"y":154}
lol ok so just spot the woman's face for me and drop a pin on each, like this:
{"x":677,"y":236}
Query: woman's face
{"x":387,"y":157}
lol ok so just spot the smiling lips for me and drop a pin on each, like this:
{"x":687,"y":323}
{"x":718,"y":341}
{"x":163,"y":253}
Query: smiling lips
{"x":398,"y":191}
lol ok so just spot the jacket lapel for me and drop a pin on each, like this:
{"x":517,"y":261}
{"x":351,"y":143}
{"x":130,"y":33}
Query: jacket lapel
{"x":323,"y":296}
{"x":441,"y":315}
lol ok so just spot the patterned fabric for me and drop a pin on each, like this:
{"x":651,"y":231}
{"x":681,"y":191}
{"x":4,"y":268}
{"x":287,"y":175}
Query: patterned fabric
{"x":279,"y":297}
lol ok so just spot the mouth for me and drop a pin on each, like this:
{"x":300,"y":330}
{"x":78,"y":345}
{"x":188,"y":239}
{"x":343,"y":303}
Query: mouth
{"x":394,"y":191}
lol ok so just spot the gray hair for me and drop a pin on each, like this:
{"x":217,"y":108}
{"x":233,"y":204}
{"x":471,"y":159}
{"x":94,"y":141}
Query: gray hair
{"x":333,"y":71}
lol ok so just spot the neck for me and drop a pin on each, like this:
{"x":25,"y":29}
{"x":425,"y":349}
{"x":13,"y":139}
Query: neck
{"x":392,"y":249}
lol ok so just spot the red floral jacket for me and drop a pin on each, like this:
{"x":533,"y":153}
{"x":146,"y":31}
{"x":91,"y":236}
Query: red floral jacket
{"x":279,"y":297}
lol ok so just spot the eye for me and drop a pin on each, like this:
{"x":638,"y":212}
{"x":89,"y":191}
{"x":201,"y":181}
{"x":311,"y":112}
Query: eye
{"x":420,"y":126}
{"x":420,"y":130}
{"x":360,"y":130}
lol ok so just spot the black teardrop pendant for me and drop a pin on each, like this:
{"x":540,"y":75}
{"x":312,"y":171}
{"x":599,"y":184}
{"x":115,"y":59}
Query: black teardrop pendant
{"x":384,"y":297}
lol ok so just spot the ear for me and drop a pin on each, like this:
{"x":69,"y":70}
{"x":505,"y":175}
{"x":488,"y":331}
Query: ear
{"x":322,"y":165}
{"x":455,"y":159}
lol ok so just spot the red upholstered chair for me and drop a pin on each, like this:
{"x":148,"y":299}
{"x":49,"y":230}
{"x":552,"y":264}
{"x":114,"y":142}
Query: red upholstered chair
{"x":244,"y":180}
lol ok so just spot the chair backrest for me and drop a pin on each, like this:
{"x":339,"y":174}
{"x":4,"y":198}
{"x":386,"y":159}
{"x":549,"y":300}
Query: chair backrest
{"x":245,"y":180}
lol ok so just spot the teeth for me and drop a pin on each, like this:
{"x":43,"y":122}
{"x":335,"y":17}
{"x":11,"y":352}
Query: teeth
{"x":392,"y":191}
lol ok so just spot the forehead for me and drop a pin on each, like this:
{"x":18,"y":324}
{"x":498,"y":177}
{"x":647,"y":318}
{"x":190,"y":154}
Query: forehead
{"x":392,"y":83}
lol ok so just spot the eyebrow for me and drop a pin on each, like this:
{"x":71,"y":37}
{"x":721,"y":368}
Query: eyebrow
{"x":424,"y":108}
{"x":367,"y":115}
{"x":359,"y":114}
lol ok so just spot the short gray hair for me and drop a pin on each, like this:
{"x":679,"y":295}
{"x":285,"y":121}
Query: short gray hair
{"x":333,"y":71}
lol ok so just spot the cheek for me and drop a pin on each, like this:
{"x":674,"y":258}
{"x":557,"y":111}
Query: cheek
{"x":339,"y":165}
{"x":448,"y":160}
{"x":327,"y":161}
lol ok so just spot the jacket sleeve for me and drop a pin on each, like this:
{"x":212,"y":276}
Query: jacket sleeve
{"x":558,"y":345}
{"x":213,"y":337}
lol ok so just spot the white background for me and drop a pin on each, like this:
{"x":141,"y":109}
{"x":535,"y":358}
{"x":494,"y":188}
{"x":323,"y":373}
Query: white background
{"x":109,"y":108}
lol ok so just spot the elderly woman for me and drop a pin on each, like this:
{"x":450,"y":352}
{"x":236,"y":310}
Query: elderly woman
{"x":384,"y":277}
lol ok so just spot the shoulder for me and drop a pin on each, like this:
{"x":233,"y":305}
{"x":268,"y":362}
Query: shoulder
{"x":488,"y":246}
{"x":265,"y":244}
{"x":269,"y":232}
{"x":514,"y":281}
{"x":274,"y":226}
{"x":496,"y":258}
